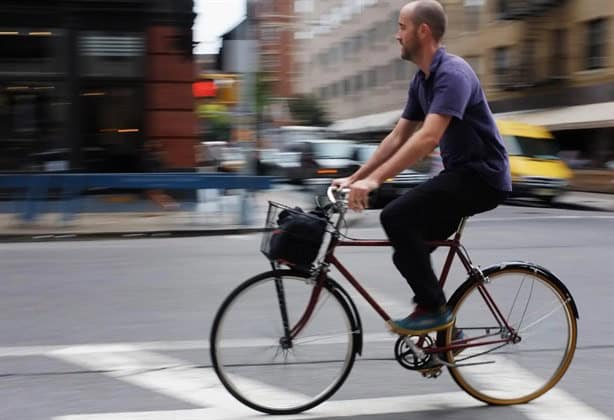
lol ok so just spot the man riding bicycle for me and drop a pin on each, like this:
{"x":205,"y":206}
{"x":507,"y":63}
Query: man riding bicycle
{"x":445,"y":96}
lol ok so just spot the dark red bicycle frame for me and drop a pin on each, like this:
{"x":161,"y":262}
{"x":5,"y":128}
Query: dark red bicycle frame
{"x":455,"y":249}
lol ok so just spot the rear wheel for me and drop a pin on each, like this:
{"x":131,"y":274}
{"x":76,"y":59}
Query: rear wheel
{"x":542,"y":339}
{"x":256,"y":362}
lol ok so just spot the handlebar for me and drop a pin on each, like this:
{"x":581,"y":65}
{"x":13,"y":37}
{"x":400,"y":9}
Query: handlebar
{"x":336,"y":195}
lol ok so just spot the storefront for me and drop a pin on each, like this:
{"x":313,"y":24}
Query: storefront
{"x":77,"y":84}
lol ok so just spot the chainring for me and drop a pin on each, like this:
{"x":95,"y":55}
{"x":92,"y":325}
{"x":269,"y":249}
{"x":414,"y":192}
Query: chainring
{"x":405,"y":355}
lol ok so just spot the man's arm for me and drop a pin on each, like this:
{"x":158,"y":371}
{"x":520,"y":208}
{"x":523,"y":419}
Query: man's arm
{"x":420,"y":144}
{"x":387,"y":148}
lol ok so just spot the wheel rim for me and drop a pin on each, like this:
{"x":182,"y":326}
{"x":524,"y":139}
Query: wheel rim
{"x":515,"y":373}
{"x":251,"y":361}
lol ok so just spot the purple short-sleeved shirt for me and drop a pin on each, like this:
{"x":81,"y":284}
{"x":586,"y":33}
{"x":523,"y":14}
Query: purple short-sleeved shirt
{"x":472,"y":139}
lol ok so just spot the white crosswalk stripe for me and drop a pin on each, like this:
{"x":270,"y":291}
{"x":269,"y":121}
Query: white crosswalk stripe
{"x":348,"y":408}
{"x":140,"y":365}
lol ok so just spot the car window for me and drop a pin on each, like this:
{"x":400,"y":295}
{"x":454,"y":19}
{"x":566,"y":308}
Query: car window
{"x":538,"y":148}
{"x":332,"y":150}
{"x":512,"y":146}
{"x":364,"y":152}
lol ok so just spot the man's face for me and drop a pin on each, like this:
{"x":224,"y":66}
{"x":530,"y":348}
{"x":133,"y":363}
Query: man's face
{"x":407,"y":35}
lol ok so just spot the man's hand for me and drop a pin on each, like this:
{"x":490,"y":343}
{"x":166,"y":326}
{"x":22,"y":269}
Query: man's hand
{"x":342,"y":182}
{"x":359,"y":193}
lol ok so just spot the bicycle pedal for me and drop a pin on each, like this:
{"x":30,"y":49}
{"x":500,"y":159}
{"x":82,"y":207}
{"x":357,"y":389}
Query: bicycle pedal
{"x":433,"y":372}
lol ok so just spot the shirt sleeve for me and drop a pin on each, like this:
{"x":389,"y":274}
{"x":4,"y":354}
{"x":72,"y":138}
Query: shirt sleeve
{"x":413,"y":111}
{"x":451,"y":94}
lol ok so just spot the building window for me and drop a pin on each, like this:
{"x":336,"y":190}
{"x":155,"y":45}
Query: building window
{"x":323,"y":92}
{"x":347,"y":48}
{"x":596,"y":50}
{"x":334,"y":90}
{"x":358,"y":43}
{"x":558,"y":61}
{"x":358,"y":83}
{"x":269,"y":35}
{"x":269,"y":63}
{"x":112,"y":54}
{"x":384,"y":31}
{"x":372,"y":36}
{"x":338,"y":53}
{"x":473,"y":9}
{"x":371,"y":78}
{"x":528,"y":69}
{"x":474,"y":62}
{"x":383,"y":74}
{"x":401,"y":70}
{"x":502,"y":8}
{"x":322,"y":59}
{"x":303,"y":6}
{"x":347,"y":87}
{"x":112,"y":124}
{"x":502,"y":64}
{"x":27,"y":52}
{"x":394,"y":19}
{"x":333,"y":56}
{"x":33,"y":117}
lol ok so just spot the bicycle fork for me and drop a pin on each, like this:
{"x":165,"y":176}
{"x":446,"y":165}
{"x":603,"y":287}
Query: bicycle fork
{"x":289,"y":333}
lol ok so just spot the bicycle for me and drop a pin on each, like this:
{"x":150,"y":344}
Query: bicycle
{"x":513,"y":339}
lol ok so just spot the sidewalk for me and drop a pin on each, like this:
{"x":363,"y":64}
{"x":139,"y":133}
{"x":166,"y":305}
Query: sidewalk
{"x":143,"y":219}
{"x":193,"y":219}
{"x":588,"y":200}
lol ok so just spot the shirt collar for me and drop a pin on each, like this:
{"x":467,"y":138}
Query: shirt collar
{"x":435,"y":63}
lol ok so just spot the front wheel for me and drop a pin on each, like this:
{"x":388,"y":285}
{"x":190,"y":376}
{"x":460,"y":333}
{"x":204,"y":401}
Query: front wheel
{"x":257,"y":362}
{"x":517,"y":364}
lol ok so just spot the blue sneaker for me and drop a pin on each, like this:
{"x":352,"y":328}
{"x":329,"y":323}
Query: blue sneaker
{"x":422,"y":321}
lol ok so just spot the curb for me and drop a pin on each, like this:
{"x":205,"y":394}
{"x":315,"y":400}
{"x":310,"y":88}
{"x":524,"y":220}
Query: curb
{"x":161,"y":234}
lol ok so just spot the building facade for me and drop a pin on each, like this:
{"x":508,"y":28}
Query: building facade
{"x":95,"y":86}
{"x":275,"y":27}
{"x":349,"y":58}
{"x":529,"y":54}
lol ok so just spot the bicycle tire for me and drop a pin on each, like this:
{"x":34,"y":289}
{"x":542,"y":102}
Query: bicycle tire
{"x":546,"y":324}
{"x":249,"y":359}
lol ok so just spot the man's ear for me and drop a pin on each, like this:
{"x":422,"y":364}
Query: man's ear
{"x":423,"y":30}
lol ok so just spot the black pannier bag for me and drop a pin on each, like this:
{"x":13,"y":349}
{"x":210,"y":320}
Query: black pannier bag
{"x":293,"y":236}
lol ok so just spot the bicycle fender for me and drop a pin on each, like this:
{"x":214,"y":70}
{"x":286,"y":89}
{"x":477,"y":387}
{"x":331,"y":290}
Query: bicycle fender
{"x":536,"y":269}
{"x":356,"y":321}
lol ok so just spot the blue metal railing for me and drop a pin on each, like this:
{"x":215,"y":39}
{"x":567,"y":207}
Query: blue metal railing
{"x":71,"y":185}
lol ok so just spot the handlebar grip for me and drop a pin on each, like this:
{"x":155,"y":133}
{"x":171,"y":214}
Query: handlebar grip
{"x":336,"y":194}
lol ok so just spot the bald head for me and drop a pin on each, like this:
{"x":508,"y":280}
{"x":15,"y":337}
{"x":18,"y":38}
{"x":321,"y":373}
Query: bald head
{"x":430,"y":12}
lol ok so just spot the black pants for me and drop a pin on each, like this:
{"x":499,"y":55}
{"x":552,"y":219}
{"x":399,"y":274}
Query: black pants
{"x":432,"y":211}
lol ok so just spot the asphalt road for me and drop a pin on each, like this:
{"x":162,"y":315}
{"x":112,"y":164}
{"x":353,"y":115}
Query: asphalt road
{"x":97,"y":330}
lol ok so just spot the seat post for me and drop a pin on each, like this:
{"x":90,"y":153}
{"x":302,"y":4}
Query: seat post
{"x":461,"y":226}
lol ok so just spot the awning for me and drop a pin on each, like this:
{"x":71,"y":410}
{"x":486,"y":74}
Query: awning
{"x":566,"y":118}
{"x":597,"y":115}
{"x":368,"y":123}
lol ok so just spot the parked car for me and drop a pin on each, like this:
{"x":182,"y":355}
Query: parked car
{"x":232,"y":159}
{"x":396,"y":186}
{"x":269,"y":162}
{"x":317,"y":162}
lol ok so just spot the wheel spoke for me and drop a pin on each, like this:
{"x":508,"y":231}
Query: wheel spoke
{"x":557,"y":307}
{"x":335,"y":337}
